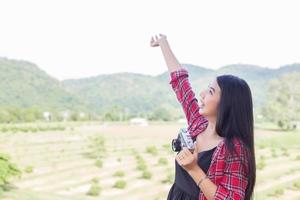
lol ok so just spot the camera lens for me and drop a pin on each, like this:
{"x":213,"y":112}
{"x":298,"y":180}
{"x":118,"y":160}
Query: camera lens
{"x":176,"y":145}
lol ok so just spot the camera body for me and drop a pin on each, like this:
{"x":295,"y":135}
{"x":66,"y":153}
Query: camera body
{"x":184,"y":139}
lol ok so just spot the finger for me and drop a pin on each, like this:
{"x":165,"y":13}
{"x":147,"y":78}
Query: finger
{"x":181,"y":152}
{"x":179,"y":155}
{"x":195,"y":147}
{"x":164,"y":36}
{"x":186,"y":151}
{"x":195,"y":153}
{"x":178,"y":160}
{"x":181,"y":163}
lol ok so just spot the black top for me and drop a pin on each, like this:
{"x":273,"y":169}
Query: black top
{"x":184,"y":187}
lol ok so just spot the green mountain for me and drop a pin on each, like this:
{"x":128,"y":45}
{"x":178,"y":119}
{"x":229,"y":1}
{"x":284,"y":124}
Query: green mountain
{"x":141,"y":93}
{"x":134,"y":92}
{"x":25,"y":85}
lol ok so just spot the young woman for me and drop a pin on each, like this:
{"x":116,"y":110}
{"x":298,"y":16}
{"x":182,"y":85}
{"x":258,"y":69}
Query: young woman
{"x":222,"y":165}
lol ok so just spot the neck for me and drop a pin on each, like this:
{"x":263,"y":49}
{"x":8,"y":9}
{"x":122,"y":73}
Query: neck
{"x":211,"y":128}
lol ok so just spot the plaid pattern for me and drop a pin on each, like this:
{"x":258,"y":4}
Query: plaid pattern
{"x":227,"y":171}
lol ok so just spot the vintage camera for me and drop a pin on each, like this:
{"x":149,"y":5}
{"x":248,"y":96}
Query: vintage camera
{"x":184,"y":139}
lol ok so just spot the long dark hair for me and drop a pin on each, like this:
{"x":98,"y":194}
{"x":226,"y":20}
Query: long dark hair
{"x":235,"y":120}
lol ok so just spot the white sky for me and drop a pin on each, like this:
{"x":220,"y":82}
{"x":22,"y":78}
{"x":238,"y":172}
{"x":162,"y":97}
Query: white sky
{"x":72,"y":39}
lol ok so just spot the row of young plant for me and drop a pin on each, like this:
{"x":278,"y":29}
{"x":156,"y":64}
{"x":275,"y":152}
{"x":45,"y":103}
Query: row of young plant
{"x":31,"y":128}
{"x":141,"y":166}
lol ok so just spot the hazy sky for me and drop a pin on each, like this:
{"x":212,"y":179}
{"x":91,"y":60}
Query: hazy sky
{"x":71,"y":39}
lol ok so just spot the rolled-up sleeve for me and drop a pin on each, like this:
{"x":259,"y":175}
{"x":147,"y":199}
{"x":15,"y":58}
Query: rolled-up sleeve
{"x":179,"y":81}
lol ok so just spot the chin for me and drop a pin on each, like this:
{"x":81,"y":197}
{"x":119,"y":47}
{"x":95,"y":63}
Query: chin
{"x":202,"y":112}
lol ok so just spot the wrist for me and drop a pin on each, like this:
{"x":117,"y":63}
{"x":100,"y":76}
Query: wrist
{"x":196,"y":170}
{"x":163,"y":43}
{"x":197,"y":174}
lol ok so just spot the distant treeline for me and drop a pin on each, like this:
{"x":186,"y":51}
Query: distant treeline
{"x":29,"y":94}
{"x":115,"y":113}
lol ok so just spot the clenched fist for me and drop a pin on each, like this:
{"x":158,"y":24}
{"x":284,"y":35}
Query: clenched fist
{"x":155,"y":42}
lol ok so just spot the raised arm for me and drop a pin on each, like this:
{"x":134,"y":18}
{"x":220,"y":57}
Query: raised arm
{"x":170,"y":59}
{"x":197,"y":123}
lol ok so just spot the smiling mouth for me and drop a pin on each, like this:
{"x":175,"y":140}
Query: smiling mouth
{"x":201,"y":104}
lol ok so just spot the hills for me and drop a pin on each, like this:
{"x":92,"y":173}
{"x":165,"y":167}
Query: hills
{"x":25,"y":85}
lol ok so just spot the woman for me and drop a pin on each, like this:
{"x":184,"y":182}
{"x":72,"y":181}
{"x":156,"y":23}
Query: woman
{"x":222,"y":165}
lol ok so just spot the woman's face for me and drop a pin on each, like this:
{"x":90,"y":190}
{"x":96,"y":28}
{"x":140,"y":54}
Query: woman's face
{"x":209,"y":99}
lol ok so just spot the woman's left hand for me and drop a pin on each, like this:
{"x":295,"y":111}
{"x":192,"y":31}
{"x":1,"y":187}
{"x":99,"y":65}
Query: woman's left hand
{"x":187,"y":159}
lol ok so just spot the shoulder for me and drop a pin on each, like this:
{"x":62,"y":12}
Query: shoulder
{"x":237,"y":145}
{"x":235,"y":157}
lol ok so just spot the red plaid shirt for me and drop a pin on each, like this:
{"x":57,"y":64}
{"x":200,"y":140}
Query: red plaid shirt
{"x":228,"y":172}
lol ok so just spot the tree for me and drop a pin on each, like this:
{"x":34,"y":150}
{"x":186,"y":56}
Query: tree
{"x":161,"y":113}
{"x":283,"y":99}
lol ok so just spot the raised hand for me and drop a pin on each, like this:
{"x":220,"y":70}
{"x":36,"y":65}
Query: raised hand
{"x":156,"y":41}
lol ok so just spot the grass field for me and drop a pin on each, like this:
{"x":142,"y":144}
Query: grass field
{"x":113,"y":161}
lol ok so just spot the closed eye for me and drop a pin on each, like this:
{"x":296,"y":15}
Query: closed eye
{"x":211,"y":88}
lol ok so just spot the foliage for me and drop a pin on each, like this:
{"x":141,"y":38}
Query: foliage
{"x":7,"y":170}
{"x":94,"y":190}
{"x":27,"y":92}
{"x":283,"y":99}
{"x":120,"y":184}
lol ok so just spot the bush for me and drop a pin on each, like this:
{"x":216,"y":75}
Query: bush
{"x":274,"y":154}
{"x":261,"y":165}
{"x":262,"y":146}
{"x":99,"y":163}
{"x":28,"y":169}
{"x":7,"y":169}
{"x":141,"y":165}
{"x":97,"y":147}
{"x":297,"y":185}
{"x":146,"y":174}
{"x":284,"y":151}
{"x":262,"y":157}
{"x":162,"y":161}
{"x":94,"y":190}
{"x":4,"y":129}
{"x":95,"y":180}
{"x":120,"y":184}
{"x":277,"y":192}
{"x":119,"y":173}
{"x":152,"y":150}
{"x":138,"y":157}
